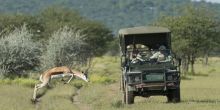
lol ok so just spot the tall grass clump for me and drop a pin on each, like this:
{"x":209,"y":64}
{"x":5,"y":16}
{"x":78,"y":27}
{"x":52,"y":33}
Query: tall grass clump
{"x":66,"y":47}
{"x":28,"y":82}
{"x":18,"y":53}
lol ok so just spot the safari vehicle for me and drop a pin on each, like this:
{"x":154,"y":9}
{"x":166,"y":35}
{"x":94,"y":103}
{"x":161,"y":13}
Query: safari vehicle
{"x":145,"y":76}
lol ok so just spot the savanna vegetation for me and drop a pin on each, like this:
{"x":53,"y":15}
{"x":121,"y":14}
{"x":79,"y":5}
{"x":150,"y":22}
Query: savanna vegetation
{"x":37,"y":42}
{"x":195,"y":33}
{"x":199,"y":92}
{"x":34,"y":38}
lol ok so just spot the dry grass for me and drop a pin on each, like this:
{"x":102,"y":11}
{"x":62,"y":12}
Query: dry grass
{"x":199,"y":93}
{"x":15,"y":97}
{"x":202,"y":92}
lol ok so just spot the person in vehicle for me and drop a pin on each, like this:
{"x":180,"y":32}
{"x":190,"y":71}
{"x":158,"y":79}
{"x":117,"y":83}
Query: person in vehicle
{"x":136,"y":56}
{"x":160,"y":55}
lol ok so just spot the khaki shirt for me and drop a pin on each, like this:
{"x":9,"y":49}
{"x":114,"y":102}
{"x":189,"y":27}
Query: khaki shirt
{"x":159,"y":56}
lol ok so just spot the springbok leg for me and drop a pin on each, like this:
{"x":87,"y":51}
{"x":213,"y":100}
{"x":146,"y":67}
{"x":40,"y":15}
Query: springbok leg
{"x":70,"y":78}
{"x":38,"y":86}
{"x":35,"y":92}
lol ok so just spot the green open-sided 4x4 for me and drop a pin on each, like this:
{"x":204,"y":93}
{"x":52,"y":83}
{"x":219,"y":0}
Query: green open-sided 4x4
{"x":143,"y":74}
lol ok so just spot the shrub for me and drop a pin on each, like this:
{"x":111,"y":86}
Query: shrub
{"x":18,"y":52}
{"x":65,"y":47}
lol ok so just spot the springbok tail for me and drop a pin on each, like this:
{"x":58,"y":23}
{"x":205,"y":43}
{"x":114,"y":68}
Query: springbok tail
{"x":41,"y":78}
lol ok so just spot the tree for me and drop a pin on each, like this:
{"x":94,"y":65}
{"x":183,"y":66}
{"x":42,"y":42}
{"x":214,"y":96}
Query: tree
{"x":194,"y":33}
{"x":97,"y":35}
{"x":66,"y":47}
{"x":10,"y":22}
{"x":51,"y":19}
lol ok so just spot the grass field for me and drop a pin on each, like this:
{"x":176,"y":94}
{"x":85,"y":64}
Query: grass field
{"x":199,"y":92}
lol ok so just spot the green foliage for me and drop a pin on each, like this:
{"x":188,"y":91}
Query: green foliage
{"x":194,"y":33}
{"x":104,"y":70}
{"x":47,"y":21}
{"x":78,"y":83}
{"x":94,"y":78}
{"x":18,"y":53}
{"x":115,"y":14}
{"x":19,"y":81}
{"x":58,"y":47}
{"x":66,"y":47}
{"x":113,"y":47}
{"x":197,"y":92}
{"x":9,"y":22}
{"x":97,"y":35}
{"x":54,"y":18}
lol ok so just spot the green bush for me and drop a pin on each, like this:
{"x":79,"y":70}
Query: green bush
{"x":18,"y":53}
{"x":65,"y":47}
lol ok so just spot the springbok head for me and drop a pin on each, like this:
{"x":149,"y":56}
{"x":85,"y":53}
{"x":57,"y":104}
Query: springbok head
{"x":85,"y":75}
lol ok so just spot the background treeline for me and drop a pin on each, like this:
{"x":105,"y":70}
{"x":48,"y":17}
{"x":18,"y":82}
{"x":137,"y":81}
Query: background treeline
{"x":115,"y":14}
{"x":195,"y":34}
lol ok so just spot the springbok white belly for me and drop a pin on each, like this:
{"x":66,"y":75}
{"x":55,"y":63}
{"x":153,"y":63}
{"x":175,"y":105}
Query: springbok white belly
{"x":60,"y":75}
{"x":57,"y":76}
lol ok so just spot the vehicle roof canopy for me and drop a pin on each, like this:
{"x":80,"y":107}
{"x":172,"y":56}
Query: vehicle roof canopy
{"x":143,"y":30}
{"x":151,"y":37}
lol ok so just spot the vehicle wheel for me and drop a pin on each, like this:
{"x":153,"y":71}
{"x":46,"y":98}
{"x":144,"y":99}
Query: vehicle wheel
{"x":174,"y":95}
{"x":129,"y":96}
{"x":124,"y":97}
{"x":169,"y":97}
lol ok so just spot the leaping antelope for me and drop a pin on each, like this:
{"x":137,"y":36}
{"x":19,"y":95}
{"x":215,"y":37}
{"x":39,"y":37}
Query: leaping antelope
{"x":57,"y":72}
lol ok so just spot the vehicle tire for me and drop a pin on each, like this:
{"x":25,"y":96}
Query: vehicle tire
{"x":169,"y":97}
{"x":124,"y":97}
{"x":129,"y":96}
{"x":174,"y":95}
{"x":124,"y":90}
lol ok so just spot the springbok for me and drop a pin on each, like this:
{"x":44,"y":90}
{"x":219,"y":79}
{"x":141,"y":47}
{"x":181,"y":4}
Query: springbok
{"x":58,"y":72}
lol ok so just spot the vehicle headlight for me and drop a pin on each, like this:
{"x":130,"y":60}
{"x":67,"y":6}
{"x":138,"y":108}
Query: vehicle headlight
{"x":137,"y":79}
{"x":170,"y":77}
{"x":134,"y":78}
